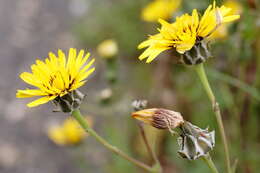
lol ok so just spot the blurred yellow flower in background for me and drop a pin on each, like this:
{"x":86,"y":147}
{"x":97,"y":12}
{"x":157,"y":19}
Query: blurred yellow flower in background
{"x":56,"y":76}
{"x":236,"y":7}
{"x":68,"y":133}
{"x":186,"y":31}
{"x":157,"y":9}
{"x":107,"y":48}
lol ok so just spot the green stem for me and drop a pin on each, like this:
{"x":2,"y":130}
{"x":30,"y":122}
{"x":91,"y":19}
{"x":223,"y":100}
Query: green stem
{"x":207,"y":159}
{"x":204,"y":80}
{"x":82,"y":121}
{"x":202,"y":75}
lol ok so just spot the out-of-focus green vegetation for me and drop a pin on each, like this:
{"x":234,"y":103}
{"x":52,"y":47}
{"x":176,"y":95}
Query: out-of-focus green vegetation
{"x":233,"y":73}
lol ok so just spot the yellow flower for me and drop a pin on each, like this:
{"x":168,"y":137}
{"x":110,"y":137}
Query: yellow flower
{"x":69,"y":133}
{"x":160,"y":9}
{"x":107,"y":48}
{"x":56,"y":134}
{"x":186,"y":31}
{"x":56,"y":76}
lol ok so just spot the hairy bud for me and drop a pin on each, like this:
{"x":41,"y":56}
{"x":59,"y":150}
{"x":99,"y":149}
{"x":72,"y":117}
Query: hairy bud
{"x":159,"y":118}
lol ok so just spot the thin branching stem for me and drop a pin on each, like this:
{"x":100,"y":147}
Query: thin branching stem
{"x":204,"y":80}
{"x":84,"y":124}
{"x":149,"y":148}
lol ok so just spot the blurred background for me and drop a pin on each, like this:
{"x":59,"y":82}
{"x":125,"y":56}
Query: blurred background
{"x":29,"y":29}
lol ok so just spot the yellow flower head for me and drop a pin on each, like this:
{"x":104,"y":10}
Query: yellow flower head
{"x":68,"y":133}
{"x":186,"y":31}
{"x":107,"y":48}
{"x":160,"y":9}
{"x":56,"y":76}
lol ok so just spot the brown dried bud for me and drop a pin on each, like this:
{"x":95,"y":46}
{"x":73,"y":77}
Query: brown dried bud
{"x":159,"y":118}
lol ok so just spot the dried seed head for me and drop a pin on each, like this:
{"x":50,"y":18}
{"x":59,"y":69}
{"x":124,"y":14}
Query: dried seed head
{"x":195,"y":142}
{"x":159,"y":118}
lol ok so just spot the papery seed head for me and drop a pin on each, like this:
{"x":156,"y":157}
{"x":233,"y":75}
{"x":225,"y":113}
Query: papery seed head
{"x":195,"y":142}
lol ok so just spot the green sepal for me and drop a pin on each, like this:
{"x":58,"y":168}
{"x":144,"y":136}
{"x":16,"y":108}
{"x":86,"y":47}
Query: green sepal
{"x":70,"y":101}
{"x":199,"y":53}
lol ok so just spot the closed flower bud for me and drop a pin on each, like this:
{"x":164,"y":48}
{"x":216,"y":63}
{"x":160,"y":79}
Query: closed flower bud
{"x":106,"y":96}
{"x":195,"y":142}
{"x":159,"y":118}
{"x":139,"y":104}
{"x":108,"y":48}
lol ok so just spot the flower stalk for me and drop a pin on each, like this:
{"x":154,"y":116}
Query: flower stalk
{"x":204,"y":80}
{"x":207,"y":159}
{"x":157,"y":166}
{"x":84,"y":124}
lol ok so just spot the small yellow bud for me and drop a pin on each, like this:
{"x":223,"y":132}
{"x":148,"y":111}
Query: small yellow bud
{"x":159,"y":118}
{"x":107,"y":48}
{"x":106,"y":94}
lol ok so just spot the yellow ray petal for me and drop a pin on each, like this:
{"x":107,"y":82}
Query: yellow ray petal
{"x":77,"y":85}
{"x":79,"y":59}
{"x":155,"y":53}
{"x":87,"y":66}
{"x":62,"y":58}
{"x":84,"y":60}
{"x":29,"y":93}
{"x":29,"y":78}
{"x":41,"y":101}
{"x":84,"y":75}
{"x":231,"y":18}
